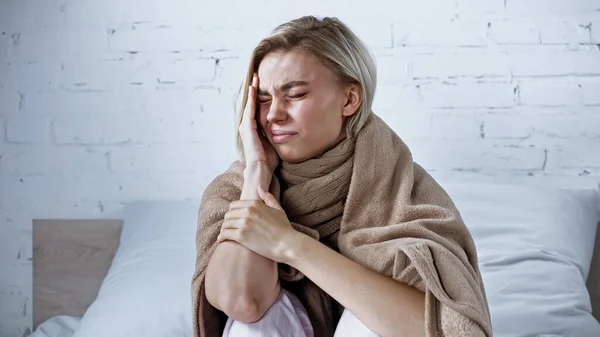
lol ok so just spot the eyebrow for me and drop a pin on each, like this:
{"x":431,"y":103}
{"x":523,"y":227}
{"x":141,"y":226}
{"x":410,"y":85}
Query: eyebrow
{"x":285,"y":87}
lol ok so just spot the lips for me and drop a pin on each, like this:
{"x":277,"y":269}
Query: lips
{"x":279,"y":137}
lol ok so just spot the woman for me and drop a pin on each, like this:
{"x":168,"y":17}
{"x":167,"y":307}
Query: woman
{"x":326,"y":226}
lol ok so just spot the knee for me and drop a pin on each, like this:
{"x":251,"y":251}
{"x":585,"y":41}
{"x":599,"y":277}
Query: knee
{"x":286,"y":314}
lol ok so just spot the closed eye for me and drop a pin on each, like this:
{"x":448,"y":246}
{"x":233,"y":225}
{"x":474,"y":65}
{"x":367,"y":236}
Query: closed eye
{"x":298,"y":95}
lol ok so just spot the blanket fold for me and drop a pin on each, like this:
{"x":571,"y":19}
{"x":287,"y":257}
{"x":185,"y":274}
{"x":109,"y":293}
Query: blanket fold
{"x":367,"y":199}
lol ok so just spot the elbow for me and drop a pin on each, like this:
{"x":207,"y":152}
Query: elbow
{"x":238,"y":305}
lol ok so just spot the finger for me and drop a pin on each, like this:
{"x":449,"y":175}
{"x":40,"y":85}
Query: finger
{"x":228,"y":234}
{"x":250,"y":108}
{"x":268,"y":198}
{"x":239,"y":213}
{"x":243,"y":204}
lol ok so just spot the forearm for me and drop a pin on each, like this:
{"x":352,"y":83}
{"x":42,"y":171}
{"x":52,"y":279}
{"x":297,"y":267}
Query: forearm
{"x":238,"y":281}
{"x":386,"y":306}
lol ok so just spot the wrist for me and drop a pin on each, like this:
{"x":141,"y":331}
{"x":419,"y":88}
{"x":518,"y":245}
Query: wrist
{"x":256,"y":166}
{"x":255,"y":174}
{"x":292,"y":251}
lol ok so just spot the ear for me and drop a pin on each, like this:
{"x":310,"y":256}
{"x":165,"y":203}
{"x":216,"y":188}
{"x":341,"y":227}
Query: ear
{"x":353,"y":100}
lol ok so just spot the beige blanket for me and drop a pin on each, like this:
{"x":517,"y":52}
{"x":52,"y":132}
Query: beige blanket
{"x":368,"y":200}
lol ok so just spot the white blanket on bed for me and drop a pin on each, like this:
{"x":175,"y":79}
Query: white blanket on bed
{"x":57,"y":326}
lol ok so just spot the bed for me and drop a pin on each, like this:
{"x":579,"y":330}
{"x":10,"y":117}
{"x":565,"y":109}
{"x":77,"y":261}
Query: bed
{"x":131,"y":274}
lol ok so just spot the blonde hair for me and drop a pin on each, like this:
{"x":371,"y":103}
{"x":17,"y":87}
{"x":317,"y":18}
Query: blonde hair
{"x":334,"y":44}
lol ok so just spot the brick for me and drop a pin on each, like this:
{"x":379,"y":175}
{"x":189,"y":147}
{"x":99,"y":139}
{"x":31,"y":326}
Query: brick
{"x":17,"y":249}
{"x":454,"y":126}
{"x":29,"y":14}
{"x":12,"y":298}
{"x":106,"y":75}
{"x":392,"y":69}
{"x":595,"y":32}
{"x":400,"y":33}
{"x":374,"y":34}
{"x":564,"y":32}
{"x":578,"y":153}
{"x":235,"y":39}
{"x":187,"y":72}
{"x":480,"y":155}
{"x":77,"y":13}
{"x":147,"y":101}
{"x":16,"y":275}
{"x":27,"y":77}
{"x":207,"y":100}
{"x":199,"y":128}
{"x":578,"y":125}
{"x":104,"y":130}
{"x":458,"y":33}
{"x":27,"y":129}
{"x":85,"y":103}
{"x":463,"y":95}
{"x":2,"y":133}
{"x":173,"y":158}
{"x":52,"y":43}
{"x":548,"y":7}
{"x":460,"y":65}
{"x":590,"y":91}
{"x":95,"y":190}
{"x":5,"y":42}
{"x":432,"y":126}
{"x":396,"y":97}
{"x":231,"y":71}
{"x":144,"y":37}
{"x":476,"y":9}
{"x":45,"y":159}
{"x":189,"y":186}
{"x":562,"y":92}
{"x":507,"y":126}
{"x":10,"y":101}
{"x":54,"y":194}
{"x":538,"y":63}
{"x":411,"y":10}
{"x":20,"y":190}
{"x":147,"y":129}
{"x":515,"y":32}
{"x":15,"y":325}
{"x":170,"y":70}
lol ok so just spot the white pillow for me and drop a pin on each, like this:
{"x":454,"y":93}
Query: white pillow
{"x":535,"y":246}
{"x":147,"y":291}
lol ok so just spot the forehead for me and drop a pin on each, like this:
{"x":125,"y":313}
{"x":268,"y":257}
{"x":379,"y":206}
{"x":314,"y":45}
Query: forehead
{"x":281,"y":67}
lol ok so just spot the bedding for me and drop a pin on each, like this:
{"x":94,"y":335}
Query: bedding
{"x":147,"y":289}
{"x":57,"y":326}
{"x":534,"y":247}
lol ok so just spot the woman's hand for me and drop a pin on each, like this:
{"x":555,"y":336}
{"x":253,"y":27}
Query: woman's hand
{"x":256,"y":147}
{"x":259,"y":225}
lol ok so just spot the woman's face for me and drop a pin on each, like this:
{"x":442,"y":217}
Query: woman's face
{"x":302,"y":109}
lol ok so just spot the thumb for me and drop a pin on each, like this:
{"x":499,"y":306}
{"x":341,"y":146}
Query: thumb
{"x":268,"y":198}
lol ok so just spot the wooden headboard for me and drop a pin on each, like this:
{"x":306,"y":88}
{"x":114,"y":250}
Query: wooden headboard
{"x":70,"y":260}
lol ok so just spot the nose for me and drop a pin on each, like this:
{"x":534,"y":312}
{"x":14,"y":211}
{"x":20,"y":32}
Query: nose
{"x":277,"y":112}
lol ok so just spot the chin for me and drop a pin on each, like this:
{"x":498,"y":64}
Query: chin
{"x":288,"y":155}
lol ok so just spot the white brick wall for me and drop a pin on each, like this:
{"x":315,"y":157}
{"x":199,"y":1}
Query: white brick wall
{"x":104,"y":102}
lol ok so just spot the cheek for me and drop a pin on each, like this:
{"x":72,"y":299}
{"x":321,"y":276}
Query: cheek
{"x":261,"y":117}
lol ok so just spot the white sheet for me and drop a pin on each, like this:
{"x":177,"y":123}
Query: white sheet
{"x":57,"y":326}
